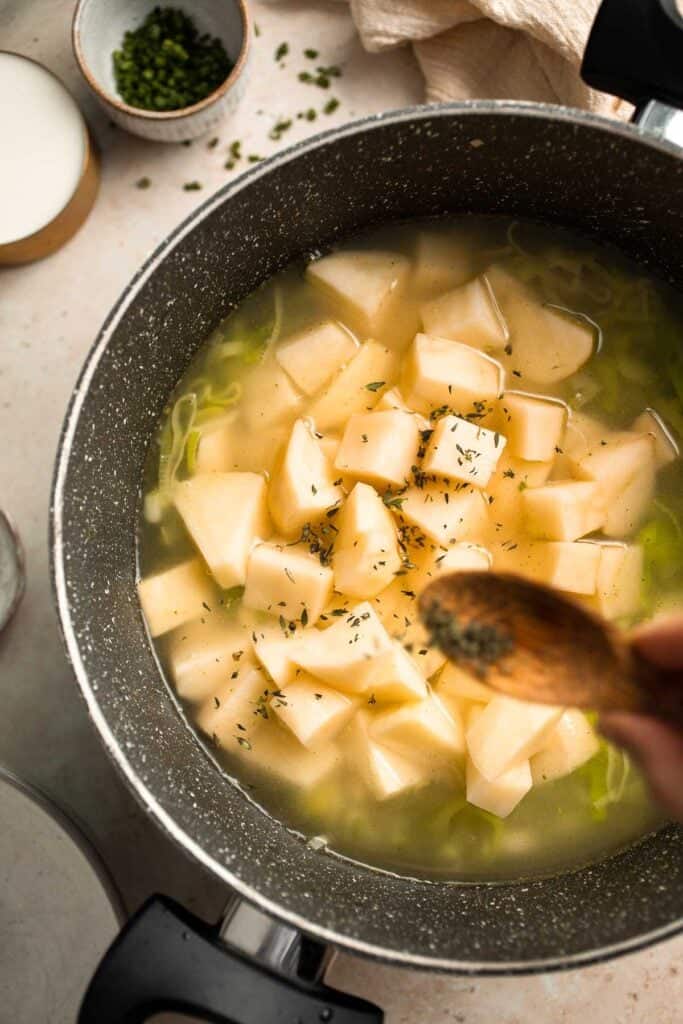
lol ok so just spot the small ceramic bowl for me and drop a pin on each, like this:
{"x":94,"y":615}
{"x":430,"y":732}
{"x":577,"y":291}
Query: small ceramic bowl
{"x":98,"y":29}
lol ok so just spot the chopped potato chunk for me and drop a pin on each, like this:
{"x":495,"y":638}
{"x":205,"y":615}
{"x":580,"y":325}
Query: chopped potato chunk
{"x":312,"y":356}
{"x":344,"y":654}
{"x":441,"y":262}
{"x":274,"y":648}
{"x":423,"y":731}
{"x":563,"y":510}
{"x":287,"y":581}
{"x":176,"y":596}
{"x":302,"y":488}
{"x":469,"y":314}
{"x":205,"y":653}
{"x":508,"y":731}
{"x":457,"y":682}
{"x":567,"y":565}
{"x":571,"y":743}
{"x":274,"y":751}
{"x":666,"y":446}
{"x":547,"y":344}
{"x":393,"y":399}
{"x":461,"y":450}
{"x":618,"y":592}
{"x":395,"y":677}
{"x":313,"y":712}
{"x":225,"y":513}
{"x":507,"y":485}
{"x":627,"y":510}
{"x":385,"y":772}
{"x":439,"y":372}
{"x":433,"y":560}
{"x":397,"y":608}
{"x":446,"y":515}
{"x":615,"y":461}
{"x":380,"y":447}
{"x":366,"y":554}
{"x":364,"y":285}
{"x":225,"y":447}
{"x":348,"y":392}
{"x":533,"y":426}
{"x":230,"y":714}
{"x":268,"y":397}
{"x":501,"y":795}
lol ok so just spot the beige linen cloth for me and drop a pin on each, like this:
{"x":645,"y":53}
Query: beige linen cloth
{"x":491,"y":49}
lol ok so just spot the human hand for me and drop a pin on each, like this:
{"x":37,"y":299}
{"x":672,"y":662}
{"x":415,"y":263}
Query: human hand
{"x":656,"y":746}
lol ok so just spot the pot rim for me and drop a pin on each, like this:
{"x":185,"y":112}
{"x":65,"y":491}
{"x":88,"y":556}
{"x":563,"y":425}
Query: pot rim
{"x":499,"y":108}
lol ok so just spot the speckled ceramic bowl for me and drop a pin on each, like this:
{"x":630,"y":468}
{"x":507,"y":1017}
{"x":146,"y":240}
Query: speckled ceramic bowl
{"x":522,"y":160}
{"x":98,"y":29}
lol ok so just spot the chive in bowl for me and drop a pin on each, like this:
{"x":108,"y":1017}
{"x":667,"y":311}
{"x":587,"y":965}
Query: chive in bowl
{"x":98,"y":31}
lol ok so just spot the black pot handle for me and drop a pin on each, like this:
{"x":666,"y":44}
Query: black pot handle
{"x":635,"y":51}
{"x":165,"y":959}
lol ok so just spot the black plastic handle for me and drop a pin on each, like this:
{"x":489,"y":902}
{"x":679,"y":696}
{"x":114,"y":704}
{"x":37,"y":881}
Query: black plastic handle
{"x":635,"y":50}
{"x":165,"y":959}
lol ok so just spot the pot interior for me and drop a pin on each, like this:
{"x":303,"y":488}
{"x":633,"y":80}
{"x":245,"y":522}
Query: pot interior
{"x":529,"y":161}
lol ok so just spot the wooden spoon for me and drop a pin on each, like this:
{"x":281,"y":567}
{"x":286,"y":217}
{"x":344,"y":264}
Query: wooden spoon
{"x":529,"y":641}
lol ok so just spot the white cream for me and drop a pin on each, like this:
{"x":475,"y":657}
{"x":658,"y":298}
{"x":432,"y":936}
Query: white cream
{"x":42,"y":147}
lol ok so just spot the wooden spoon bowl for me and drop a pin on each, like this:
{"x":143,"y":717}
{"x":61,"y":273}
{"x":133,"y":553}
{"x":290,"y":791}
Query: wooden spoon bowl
{"x":554,"y":650}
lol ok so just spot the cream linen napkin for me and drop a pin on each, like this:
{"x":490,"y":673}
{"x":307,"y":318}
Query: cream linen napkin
{"x":491,"y":49}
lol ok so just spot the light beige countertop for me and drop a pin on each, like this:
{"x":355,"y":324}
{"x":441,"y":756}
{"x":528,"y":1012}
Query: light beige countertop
{"x":49,"y":315}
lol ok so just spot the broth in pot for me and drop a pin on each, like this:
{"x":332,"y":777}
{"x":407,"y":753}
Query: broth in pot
{"x":437,"y":396}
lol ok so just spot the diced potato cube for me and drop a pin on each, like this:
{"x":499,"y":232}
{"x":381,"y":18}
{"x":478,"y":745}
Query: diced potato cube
{"x":566,"y":565}
{"x":268,"y":396}
{"x":457,"y":682}
{"x":302,"y":487}
{"x":563,"y":510}
{"x":349,"y":392}
{"x":533,"y":426}
{"x":312,"y":356}
{"x":441,"y":262}
{"x":500,"y":796}
{"x":461,"y":450}
{"x":666,"y":446}
{"x":364,"y":285}
{"x":618,"y":593}
{"x":615,"y":462}
{"x":225,"y":513}
{"x":205,"y":653}
{"x":434,"y":561}
{"x":395,"y":677}
{"x":469,"y":314}
{"x":313,"y":712}
{"x":227,"y":447}
{"x":176,"y":596}
{"x":287,"y":581}
{"x":508,"y":731}
{"x":571,"y":743}
{"x":230,"y":715}
{"x":274,"y":649}
{"x":627,"y":510}
{"x":547,"y":345}
{"x":275,"y":752}
{"x":343,"y":655}
{"x":393,"y":399}
{"x":423,"y":731}
{"x":397,"y":608}
{"x":385,"y":772}
{"x":380,"y":447}
{"x":366,"y":553}
{"x":581,"y":433}
{"x":507,"y":485}
{"x":444,"y":515}
{"x":439,"y":372}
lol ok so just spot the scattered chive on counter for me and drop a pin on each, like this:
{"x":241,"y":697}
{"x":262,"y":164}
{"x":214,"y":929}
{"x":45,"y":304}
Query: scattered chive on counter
{"x":165,"y":64}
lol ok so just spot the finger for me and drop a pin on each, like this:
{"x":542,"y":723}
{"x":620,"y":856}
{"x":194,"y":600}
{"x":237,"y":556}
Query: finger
{"x":657,"y":748}
{"x":661,"y":641}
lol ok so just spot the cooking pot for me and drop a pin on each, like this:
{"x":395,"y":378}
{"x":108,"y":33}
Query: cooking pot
{"x":617,"y":183}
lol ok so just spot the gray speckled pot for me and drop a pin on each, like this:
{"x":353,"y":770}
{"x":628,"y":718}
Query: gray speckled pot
{"x":602,"y":178}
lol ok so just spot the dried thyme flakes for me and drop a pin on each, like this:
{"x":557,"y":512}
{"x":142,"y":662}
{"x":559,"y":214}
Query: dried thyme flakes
{"x":165,"y":64}
{"x":143,"y":182}
{"x":479,"y":644}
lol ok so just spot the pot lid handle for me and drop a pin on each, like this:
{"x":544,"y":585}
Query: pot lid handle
{"x":635,"y":51}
